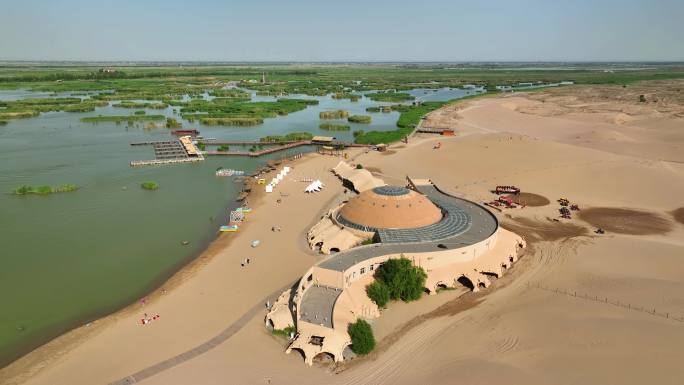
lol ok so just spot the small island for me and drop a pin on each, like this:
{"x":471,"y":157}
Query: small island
{"x":44,"y":190}
{"x":149,"y":185}
{"x":364,"y":119}
{"x":337,"y":114}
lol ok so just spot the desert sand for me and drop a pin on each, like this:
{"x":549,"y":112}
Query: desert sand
{"x":579,"y":307}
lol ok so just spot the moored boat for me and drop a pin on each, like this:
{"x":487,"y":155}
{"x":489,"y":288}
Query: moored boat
{"x":228,"y":228}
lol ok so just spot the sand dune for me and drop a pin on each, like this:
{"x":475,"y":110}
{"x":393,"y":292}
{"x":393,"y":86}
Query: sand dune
{"x":543,"y":323}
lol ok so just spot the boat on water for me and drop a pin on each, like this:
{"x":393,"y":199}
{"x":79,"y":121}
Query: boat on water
{"x":229,"y":172}
{"x":228,"y":228}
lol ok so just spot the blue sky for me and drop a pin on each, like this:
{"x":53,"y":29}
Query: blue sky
{"x":350,"y":30}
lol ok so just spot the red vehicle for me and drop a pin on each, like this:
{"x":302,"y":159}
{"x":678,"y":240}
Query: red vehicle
{"x":506,"y":201}
{"x":507,"y":190}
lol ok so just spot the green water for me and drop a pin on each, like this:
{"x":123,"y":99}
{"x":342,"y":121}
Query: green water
{"x":73,"y":257}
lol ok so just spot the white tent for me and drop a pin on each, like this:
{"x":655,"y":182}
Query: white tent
{"x":269,"y":188}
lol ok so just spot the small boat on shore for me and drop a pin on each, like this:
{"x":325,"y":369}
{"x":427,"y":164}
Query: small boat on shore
{"x":229,"y":172}
{"x":244,"y":210}
{"x":228,"y":228}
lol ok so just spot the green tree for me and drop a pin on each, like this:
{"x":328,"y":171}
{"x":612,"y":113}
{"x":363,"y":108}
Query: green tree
{"x":378,"y":292}
{"x":363,"y":341}
{"x":404,"y":281}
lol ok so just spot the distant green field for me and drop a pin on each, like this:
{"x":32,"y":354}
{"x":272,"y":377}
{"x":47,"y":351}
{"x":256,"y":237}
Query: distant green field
{"x":158,"y":83}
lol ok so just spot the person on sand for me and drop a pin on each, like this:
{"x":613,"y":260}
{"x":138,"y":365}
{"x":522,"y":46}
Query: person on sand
{"x":248,"y":261}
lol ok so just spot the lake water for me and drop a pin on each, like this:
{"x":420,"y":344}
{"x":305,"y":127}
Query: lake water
{"x":73,"y":257}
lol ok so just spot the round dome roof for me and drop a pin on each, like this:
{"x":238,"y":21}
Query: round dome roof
{"x":390,"y":207}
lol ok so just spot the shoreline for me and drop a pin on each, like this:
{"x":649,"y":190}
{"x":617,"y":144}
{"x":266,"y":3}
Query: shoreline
{"x":43,"y":355}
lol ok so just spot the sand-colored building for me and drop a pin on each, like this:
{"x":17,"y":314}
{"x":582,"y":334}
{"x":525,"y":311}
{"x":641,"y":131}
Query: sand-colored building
{"x":454,"y":240}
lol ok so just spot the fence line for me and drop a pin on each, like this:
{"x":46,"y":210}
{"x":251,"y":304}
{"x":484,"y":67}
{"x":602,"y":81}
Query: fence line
{"x":626,"y":305}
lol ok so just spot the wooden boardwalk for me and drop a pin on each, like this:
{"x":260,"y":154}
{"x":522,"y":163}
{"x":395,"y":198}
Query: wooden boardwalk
{"x":217,"y":142}
{"x":262,"y":152}
{"x":156,"y":162}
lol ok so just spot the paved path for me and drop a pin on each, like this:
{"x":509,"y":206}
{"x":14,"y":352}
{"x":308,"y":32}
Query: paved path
{"x":202,"y":348}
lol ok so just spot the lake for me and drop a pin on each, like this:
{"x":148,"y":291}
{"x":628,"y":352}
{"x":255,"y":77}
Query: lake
{"x":70,"y":258}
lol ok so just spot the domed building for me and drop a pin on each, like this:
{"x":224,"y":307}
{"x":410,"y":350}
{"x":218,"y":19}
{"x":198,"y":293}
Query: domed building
{"x":455,"y":241}
{"x":389,"y":207}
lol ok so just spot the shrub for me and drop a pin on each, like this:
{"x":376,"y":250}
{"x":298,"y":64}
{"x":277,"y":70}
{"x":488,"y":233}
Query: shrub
{"x":379,"y":293}
{"x":284,"y":332}
{"x":363,"y":341}
{"x":359,"y":166}
{"x":404,"y":281}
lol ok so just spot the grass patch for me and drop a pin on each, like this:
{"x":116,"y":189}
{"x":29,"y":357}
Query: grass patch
{"x":232,"y":121}
{"x":364,"y":119}
{"x":121,"y":118}
{"x":407,"y":122}
{"x":149,"y":185}
{"x":44,"y":190}
{"x":173,"y":123}
{"x":130,"y":104}
{"x":384,"y":109}
{"x":390,"y":96}
{"x":291,"y":137}
{"x":334,"y":127}
{"x":346,"y":95}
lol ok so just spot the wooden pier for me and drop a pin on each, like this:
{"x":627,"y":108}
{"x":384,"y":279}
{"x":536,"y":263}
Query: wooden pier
{"x":265,"y":151}
{"x":156,"y":162}
{"x":170,"y":152}
{"x":216,"y":142}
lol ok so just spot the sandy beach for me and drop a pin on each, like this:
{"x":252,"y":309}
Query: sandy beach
{"x":577,"y":308}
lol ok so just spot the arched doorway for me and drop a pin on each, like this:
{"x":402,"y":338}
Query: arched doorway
{"x":300,"y":351}
{"x":324,"y":358}
{"x":465,"y":281}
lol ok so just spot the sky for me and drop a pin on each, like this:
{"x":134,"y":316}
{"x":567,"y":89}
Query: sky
{"x":343,"y":30}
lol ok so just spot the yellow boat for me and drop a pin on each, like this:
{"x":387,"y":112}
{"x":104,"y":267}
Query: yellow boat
{"x":228,"y":228}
